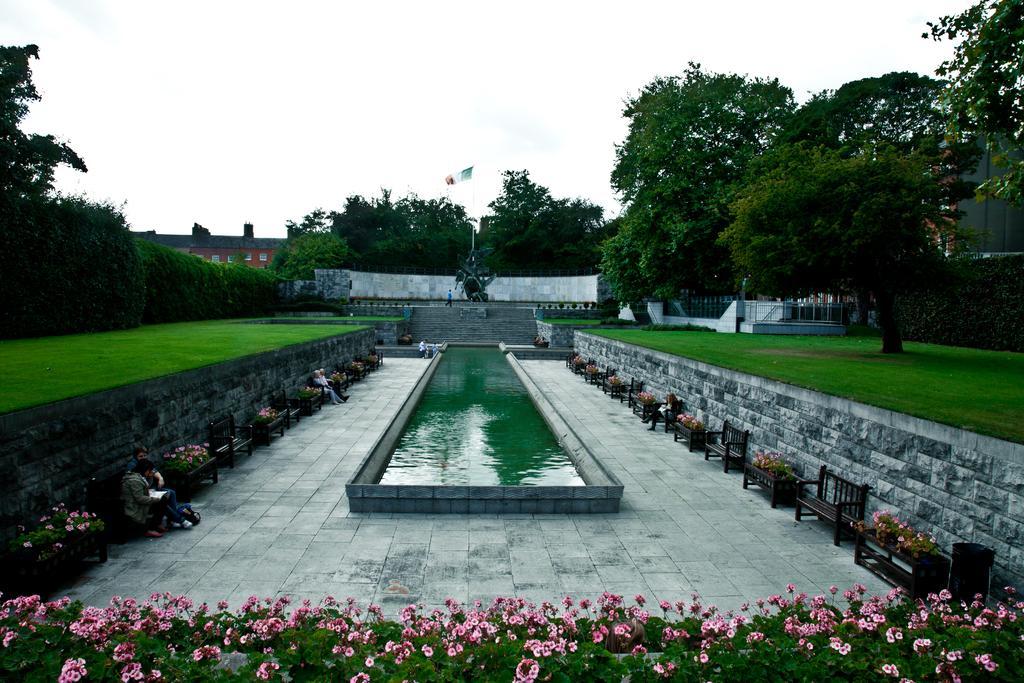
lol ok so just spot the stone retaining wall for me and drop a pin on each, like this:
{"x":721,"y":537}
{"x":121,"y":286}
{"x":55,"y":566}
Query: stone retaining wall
{"x":956,"y":484}
{"x":48,"y":453}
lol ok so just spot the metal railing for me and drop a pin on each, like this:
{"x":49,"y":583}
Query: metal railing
{"x":796,"y":311}
{"x":420,"y":270}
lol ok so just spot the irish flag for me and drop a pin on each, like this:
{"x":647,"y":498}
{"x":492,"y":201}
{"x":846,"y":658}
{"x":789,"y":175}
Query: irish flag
{"x":460,"y":177}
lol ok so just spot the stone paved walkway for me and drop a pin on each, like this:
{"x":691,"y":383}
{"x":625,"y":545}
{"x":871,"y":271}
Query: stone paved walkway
{"x":279,"y":524}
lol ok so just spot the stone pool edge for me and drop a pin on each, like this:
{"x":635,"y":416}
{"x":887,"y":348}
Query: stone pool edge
{"x":601,"y":494}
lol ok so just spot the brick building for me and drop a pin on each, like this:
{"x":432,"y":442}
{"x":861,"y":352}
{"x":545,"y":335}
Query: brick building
{"x":257,"y":252}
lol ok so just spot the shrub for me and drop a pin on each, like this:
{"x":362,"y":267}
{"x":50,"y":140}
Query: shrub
{"x":185,"y":287}
{"x":310,"y":306}
{"x":981,"y":309}
{"x":616,"y":321}
{"x":69,"y":265}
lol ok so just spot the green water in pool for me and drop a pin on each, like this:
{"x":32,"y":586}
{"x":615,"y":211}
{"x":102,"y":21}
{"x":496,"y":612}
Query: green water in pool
{"x":476,"y":426}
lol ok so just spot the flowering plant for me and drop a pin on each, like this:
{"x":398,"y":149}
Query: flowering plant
{"x":808,"y":638}
{"x":371,"y":359}
{"x":309,"y":392}
{"x":772,"y":462}
{"x":690,"y":422}
{"x":56,"y":529}
{"x":356,"y":366}
{"x":891,"y":530}
{"x":591,"y":369}
{"x":579,"y":360}
{"x":646,"y":398}
{"x":265,"y":416}
{"x":184,"y":459}
{"x":615,"y":381}
{"x":338,"y":377}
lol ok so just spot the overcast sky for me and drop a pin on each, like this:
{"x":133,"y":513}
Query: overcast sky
{"x":223,"y":112}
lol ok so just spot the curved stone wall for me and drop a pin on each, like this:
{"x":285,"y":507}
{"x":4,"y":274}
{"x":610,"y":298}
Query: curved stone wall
{"x":959,"y":485}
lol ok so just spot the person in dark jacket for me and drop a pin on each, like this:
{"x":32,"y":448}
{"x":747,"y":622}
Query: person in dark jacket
{"x":142,"y":510}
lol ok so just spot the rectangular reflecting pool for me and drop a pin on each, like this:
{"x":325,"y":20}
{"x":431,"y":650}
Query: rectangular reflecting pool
{"x":476,"y":435}
{"x":476,"y":425}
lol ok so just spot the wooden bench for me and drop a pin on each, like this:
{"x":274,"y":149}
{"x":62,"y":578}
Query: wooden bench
{"x":833,"y":499}
{"x":730,"y":445}
{"x":103,"y":497}
{"x":695,"y":438}
{"x":289,"y":407}
{"x":185,"y":483}
{"x":635,"y":388}
{"x":226,"y":439}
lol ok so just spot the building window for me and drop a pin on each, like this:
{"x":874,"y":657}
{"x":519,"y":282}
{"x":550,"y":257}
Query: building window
{"x":215,"y":258}
{"x":231,"y":257}
{"x":263,"y":257}
{"x":248,"y":256}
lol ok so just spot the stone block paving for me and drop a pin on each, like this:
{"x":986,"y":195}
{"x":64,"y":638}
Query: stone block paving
{"x":279,"y":524}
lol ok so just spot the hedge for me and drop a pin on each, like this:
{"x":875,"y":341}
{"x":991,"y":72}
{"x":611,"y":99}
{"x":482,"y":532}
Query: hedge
{"x":184,"y":287}
{"x":982,"y":308}
{"x":69,"y":265}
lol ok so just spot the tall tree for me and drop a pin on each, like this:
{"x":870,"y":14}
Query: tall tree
{"x":690,"y":140}
{"x":528,"y":228}
{"x":899,"y":108}
{"x":986,"y":86}
{"x":303,"y":254}
{"x":316,"y":221}
{"x":811,"y":219}
{"x":27,"y":161}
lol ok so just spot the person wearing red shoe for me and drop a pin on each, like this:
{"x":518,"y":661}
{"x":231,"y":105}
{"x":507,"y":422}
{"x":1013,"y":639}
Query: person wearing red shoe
{"x":142,"y":508}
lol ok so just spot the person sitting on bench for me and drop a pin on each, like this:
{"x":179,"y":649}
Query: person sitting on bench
{"x":143,"y":509}
{"x":320,"y":381}
{"x":156,"y":483}
{"x":667,"y":412}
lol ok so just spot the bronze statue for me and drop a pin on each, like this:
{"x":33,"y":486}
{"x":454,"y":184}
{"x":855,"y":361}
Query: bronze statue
{"x":474,"y":276}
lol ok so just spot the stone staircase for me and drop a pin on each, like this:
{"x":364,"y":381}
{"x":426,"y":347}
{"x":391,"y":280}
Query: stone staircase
{"x":481,"y":323}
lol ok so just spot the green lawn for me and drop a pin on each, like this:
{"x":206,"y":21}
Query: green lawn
{"x":47,"y":369}
{"x":982,"y":391}
{"x":348,"y":318}
{"x":572,"y":321}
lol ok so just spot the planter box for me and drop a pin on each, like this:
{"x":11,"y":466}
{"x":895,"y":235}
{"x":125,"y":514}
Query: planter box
{"x":919,"y":577}
{"x":261,"y":431}
{"x":306,"y":405}
{"x":781,"y":490}
{"x":185,"y":483}
{"x":696,"y":439}
{"x":26,"y":576}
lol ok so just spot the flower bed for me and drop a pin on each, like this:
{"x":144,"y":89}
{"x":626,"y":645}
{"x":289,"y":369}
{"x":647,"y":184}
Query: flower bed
{"x":186,"y":466}
{"x":62,"y":538}
{"x":773,"y":474}
{"x":266,"y":422}
{"x":784,"y":637}
{"x":691,"y":430}
{"x":308,"y":398}
{"x":894,"y":551}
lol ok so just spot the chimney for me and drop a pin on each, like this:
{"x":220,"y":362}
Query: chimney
{"x":247,"y":230}
{"x":199,"y":232}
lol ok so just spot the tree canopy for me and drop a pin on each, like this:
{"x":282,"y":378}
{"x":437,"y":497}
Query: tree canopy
{"x":303,"y":254}
{"x":813,"y":220}
{"x":528,"y":228}
{"x":985,"y":96}
{"x":690,"y":140}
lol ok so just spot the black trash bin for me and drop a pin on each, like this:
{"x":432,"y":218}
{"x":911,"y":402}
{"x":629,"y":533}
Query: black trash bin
{"x":969,"y":573}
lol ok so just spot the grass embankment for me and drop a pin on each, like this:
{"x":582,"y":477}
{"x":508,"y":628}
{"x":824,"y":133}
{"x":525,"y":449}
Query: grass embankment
{"x":982,"y":391}
{"x":48,"y":369}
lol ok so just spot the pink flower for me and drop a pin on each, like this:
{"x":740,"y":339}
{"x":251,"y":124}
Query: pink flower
{"x":73,"y":670}
{"x":890,"y":670}
{"x":132,"y":672}
{"x":368,"y":662}
{"x":360,"y":678}
{"x":527,"y":671}
{"x":703,"y":658}
{"x":266,"y":670}
{"x":206,"y":652}
{"x":985,"y":661}
{"x":427,"y":651}
{"x":9,"y":638}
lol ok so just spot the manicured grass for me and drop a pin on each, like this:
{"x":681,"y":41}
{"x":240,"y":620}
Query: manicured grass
{"x":349,"y":318}
{"x":572,"y":321}
{"x":47,"y":369}
{"x":982,"y":391}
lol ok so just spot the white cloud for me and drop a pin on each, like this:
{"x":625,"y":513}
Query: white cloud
{"x":232,"y":111}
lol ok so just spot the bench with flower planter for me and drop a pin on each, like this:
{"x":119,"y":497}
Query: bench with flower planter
{"x":773,"y":474}
{"x":226,"y":439}
{"x":833,"y":499}
{"x":644,"y":405}
{"x":288,"y":408}
{"x":339,"y":381}
{"x":310,"y":398}
{"x":267,"y":421}
{"x":897,"y":553}
{"x":185,"y":467}
{"x":690,"y":430}
{"x":356,"y":370}
{"x":636,"y":387}
{"x":614,"y":386}
{"x":729,"y":444}
{"x":38,"y":559}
